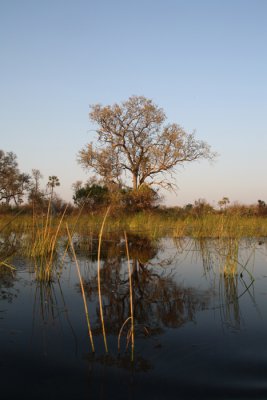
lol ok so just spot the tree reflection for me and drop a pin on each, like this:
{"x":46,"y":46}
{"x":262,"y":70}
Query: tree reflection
{"x":159,"y":302}
{"x":8,"y":247}
{"x":7,"y":277}
{"x":120,"y":361}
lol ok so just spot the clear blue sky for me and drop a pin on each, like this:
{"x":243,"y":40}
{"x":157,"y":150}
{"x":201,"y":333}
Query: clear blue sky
{"x":203,"y":61}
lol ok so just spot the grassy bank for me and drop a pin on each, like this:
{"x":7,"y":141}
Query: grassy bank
{"x":151,"y":224}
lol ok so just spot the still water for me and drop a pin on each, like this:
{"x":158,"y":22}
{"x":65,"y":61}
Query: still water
{"x":199,"y":315}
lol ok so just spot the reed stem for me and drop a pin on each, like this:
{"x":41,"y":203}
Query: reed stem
{"x":99,"y":280}
{"x":82,"y":290}
{"x":131,"y":296}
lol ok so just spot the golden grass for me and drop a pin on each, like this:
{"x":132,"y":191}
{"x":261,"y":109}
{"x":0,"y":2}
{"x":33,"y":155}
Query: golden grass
{"x":221,"y":226}
{"x":42,"y":244}
{"x":46,"y":231}
{"x":82,"y":290}
{"x":99,"y":280}
{"x":131,"y":296}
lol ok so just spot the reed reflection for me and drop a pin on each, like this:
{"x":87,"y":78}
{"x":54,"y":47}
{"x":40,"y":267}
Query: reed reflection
{"x":228,"y":262}
{"x":158,"y":301}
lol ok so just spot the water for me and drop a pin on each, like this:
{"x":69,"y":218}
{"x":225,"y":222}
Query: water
{"x":200,"y":331}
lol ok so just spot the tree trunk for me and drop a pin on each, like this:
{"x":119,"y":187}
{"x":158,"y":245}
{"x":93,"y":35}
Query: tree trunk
{"x":134,"y":181}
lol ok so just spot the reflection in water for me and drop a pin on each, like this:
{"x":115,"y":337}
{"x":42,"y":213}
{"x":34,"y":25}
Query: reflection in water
{"x":7,"y":277}
{"x":45,"y":302}
{"x":8,"y":246}
{"x":120,"y":361}
{"x":232,"y":258}
{"x":230,"y":300}
{"x":207,"y":282}
{"x":158,"y":300}
{"x":9,"y":243}
{"x":49,"y":310}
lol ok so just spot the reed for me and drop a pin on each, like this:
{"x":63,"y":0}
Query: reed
{"x":221,"y":226}
{"x":120,"y":333}
{"x":131,"y":331}
{"x":230,"y":267}
{"x":42,"y":244}
{"x":131,"y":296}
{"x":5,"y":263}
{"x":153,"y":224}
{"x":82,"y":290}
{"x":99,"y":280}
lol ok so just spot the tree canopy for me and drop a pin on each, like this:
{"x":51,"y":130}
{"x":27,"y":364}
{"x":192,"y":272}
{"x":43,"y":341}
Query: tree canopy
{"x":13,"y":183}
{"x":91,"y":196}
{"x":53,"y":181}
{"x":133,"y":142}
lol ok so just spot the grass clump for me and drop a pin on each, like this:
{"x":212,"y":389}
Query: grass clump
{"x":42,"y":244}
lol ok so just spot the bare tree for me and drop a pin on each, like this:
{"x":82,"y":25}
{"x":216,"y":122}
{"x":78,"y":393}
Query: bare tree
{"x":133,"y":140}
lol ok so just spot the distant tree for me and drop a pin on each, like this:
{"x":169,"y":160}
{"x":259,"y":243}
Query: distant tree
{"x":36,"y":195}
{"x":59,"y":205}
{"x":76,"y":186}
{"x":91,"y":196}
{"x":37,"y":176}
{"x":13,"y":183}
{"x":202,"y":207}
{"x":134,"y":142}
{"x":223,"y":203}
{"x":262,"y":207}
{"x":53,"y":181}
{"x":188,"y":208}
{"x":261,"y":204}
{"x":242,"y":210}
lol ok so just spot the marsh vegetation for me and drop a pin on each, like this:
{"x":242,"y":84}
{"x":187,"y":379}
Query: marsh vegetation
{"x":131,"y":297}
{"x":117,"y":295}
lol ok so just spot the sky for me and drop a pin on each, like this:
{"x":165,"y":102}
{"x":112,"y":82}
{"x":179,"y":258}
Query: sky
{"x":203,"y":61}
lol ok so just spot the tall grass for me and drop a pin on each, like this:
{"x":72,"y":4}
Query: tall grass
{"x":151,"y":224}
{"x":155,"y":225}
{"x":131,"y":296}
{"x":40,"y":234}
{"x":42,"y":242}
{"x":131,"y":331}
{"x":221,"y":226}
{"x":99,"y":281}
{"x":82,"y":290}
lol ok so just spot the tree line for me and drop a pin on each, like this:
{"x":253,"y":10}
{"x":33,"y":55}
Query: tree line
{"x":18,"y":187}
{"x":134,"y":155}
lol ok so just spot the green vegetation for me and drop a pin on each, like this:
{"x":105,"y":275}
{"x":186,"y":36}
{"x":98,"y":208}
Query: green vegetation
{"x":13,"y":183}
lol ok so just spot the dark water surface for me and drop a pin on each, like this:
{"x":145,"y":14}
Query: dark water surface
{"x":200,"y":323}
